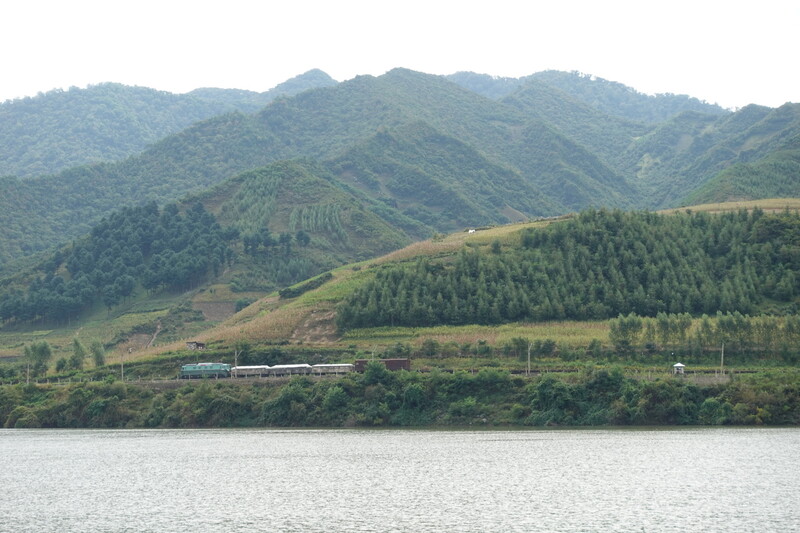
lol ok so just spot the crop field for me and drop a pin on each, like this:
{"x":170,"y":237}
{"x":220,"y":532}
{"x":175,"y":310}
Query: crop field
{"x":569,"y":333}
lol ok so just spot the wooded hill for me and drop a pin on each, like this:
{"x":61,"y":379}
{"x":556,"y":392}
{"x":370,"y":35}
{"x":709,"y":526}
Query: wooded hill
{"x":609,"y":97}
{"x":59,"y":129}
{"x":430,"y":155}
{"x":260,"y":231}
{"x":597,"y":265}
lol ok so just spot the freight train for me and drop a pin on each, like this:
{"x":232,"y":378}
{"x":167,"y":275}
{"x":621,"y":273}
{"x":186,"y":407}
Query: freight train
{"x":222,"y":370}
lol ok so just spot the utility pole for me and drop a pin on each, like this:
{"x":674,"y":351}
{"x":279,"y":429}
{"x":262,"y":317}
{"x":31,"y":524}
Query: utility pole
{"x":722,"y":360}
{"x":530,"y":345}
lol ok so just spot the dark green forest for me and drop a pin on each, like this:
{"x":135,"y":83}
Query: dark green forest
{"x":597,"y":265}
{"x":157,"y":249}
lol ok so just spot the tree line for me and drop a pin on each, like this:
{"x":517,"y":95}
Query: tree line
{"x":766,"y":336}
{"x":596,"y":396}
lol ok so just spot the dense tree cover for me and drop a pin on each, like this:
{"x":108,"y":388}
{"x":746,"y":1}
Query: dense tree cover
{"x":159,"y":249}
{"x":598,"y":396}
{"x":439,"y":180}
{"x":605,"y":136}
{"x":598,"y":265}
{"x":685,"y":154}
{"x":619,"y":100}
{"x":776,"y":175}
{"x":59,"y":129}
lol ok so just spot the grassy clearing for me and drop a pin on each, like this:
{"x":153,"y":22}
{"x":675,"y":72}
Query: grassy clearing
{"x":569,"y":333}
{"x":222,"y":292}
{"x":455,"y":241}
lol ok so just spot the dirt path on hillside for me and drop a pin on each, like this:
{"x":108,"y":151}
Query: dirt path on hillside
{"x":155,"y":334}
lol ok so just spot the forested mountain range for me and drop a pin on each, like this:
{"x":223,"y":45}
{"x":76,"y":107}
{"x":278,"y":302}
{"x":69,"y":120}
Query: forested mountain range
{"x":430,"y":154}
{"x":610,"y":97}
{"x":59,"y":129}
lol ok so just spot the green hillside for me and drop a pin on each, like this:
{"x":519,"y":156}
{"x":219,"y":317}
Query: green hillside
{"x":684,"y":153}
{"x":595,"y":266}
{"x":494,"y":87}
{"x":775,"y":175}
{"x":437,"y":155}
{"x":263,"y":230}
{"x":59,"y":129}
{"x":439,"y":181}
{"x":604,"y":134}
{"x":321,"y":123}
{"x":619,"y":100}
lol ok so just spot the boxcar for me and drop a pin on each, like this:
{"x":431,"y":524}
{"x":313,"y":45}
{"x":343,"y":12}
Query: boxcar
{"x":205,"y":370}
{"x":335,"y":368}
{"x":258,"y":371}
{"x":290,"y":370}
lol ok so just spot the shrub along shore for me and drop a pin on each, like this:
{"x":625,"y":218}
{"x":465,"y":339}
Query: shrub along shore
{"x":591,"y":396}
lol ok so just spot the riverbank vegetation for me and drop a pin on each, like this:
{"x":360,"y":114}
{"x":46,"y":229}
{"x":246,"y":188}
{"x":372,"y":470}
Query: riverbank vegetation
{"x":587,"y":396}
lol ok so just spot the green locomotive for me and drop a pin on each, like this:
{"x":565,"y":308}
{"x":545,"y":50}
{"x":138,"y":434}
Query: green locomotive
{"x":205,"y":370}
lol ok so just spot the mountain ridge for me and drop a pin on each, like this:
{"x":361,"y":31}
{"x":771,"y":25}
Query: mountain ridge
{"x":561,"y":150}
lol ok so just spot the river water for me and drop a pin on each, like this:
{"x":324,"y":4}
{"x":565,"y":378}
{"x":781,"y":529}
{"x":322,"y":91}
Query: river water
{"x":704,"y":479}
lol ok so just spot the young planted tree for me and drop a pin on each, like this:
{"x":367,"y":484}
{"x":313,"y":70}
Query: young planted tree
{"x":78,"y":355}
{"x":37,"y":356}
{"x":98,"y":353}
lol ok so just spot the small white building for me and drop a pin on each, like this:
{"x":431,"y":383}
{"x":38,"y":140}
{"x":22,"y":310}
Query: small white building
{"x":678,"y":368}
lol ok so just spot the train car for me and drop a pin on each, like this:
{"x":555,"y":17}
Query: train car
{"x":254,"y":371}
{"x":335,"y":369}
{"x":290,"y":370}
{"x":262,"y":371}
{"x":205,"y":370}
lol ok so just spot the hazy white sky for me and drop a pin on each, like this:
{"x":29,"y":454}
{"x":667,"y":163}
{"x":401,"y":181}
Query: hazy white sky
{"x":729,"y":52}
